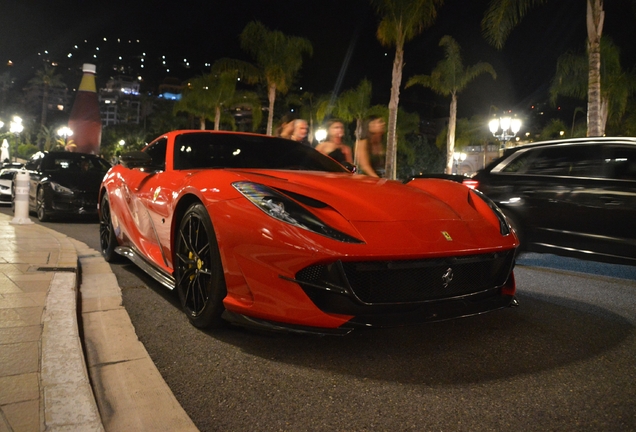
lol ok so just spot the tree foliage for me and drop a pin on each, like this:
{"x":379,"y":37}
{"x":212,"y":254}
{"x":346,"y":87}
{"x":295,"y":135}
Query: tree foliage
{"x":571,"y":80}
{"x":400,"y":22}
{"x":278,"y":58}
{"x":448,"y":78}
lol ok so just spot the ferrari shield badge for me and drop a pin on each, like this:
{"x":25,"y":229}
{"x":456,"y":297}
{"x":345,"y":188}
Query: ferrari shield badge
{"x":447,"y":277}
{"x":447,"y":236}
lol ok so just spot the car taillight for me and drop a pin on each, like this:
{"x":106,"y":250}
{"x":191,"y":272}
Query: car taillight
{"x":471,"y":183}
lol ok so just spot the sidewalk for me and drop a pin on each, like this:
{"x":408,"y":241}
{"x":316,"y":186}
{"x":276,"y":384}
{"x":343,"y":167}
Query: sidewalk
{"x":45,"y":365}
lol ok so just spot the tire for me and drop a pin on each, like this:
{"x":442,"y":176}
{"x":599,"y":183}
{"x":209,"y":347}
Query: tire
{"x":40,"y":205}
{"x":198,"y":270}
{"x":107,"y":238}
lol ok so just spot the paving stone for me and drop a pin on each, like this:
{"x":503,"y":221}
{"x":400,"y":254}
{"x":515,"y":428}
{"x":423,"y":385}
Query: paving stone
{"x":19,"y":388}
{"x":23,"y":416}
{"x":9,"y":335}
{"x":19,"y":358}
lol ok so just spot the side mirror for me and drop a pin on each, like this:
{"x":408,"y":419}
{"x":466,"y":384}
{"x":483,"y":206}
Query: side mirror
{"x":135,"y":159}
{"x":350,"y":167}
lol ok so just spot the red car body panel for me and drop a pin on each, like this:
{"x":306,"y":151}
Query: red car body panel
{"x":262,"y":256}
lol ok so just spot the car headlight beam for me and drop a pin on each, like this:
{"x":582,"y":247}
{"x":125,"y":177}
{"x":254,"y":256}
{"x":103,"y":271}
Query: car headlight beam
{"x":285,"y":209}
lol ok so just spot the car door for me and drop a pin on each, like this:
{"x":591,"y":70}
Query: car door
{"x":157,"y":194}
{"x":568,"y":174}
{"x":524,"y":196}
{"x":138,"y":194}
{"x":612,"y":205}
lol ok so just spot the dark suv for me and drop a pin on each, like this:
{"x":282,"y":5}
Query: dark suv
{"x":572,"y":197}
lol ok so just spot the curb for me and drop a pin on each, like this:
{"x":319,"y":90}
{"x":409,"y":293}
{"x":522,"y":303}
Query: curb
{"x":67,"y":393}
{"x":102,"y":378}
{"x":130,"y":392}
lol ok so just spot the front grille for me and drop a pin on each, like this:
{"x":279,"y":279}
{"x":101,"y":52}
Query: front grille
{"x":390,"y":282}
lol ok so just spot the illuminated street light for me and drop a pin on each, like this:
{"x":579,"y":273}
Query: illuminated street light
{"x":504,"y":128}
{"x":320,"y":135}
{"x":65,"y":132}
{"x":459,"y":158}
{"x":122,"y":142}
{"x":15,"y":127}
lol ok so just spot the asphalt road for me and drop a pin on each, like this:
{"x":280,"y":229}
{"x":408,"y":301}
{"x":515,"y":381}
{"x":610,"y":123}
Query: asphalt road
{"x":563,"y":360}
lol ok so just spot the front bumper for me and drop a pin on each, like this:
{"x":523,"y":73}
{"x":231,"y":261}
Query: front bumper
{"x":77,"y":204}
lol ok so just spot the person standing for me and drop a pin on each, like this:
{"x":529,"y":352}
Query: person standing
{"x":333,"y":146}
{"x":370,"y":150}
{"x":286,"y":127}
{"x":301,"y":130}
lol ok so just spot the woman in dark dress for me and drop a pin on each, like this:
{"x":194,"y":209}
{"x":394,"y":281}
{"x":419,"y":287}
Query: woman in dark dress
{"x":333,"y":146}
{"x":370,"y":151}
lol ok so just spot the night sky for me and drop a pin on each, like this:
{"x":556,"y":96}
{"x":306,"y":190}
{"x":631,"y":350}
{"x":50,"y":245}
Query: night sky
{"x":203,"y":32}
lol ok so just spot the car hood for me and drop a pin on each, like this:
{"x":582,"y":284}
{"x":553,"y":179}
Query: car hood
{"x":359,"y":197}
{"x":77,"y":181}
{"x":384,"y":212}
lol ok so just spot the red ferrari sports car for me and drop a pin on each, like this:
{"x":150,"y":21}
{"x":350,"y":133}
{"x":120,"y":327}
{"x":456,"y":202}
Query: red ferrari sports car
{"x":266,"y":232}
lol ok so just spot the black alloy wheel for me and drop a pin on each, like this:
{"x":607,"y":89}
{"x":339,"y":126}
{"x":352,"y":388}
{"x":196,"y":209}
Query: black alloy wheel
{"x":198,"y":269}
{"x":40,"y":205}
{"x":107,"y":239}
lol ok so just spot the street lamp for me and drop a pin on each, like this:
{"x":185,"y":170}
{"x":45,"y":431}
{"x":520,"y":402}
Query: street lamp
{"x":65,"y":132}
{"x":15,"y":127}
{"x":320,"y":135}
{"x":459,"y":158}
{"x":504,"y":128}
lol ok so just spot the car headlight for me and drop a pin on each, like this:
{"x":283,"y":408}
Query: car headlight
{"x":283,"y":208}
{"x":504,"y":226}
{"x":58,"y":188}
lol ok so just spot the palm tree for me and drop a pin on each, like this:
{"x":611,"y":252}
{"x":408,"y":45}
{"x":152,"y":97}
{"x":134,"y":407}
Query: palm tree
{"x":48,"y":136}
{"x":278,"y":59}
{"x":196,"y":100}
{"x":571,"y":80}
{"x":355,"y":105}
{"x":503,"y":15}
{"x":208,"y":97}
{"x":401,"y":21}
{"x":449,"y":77}
{"x":46,"y":79}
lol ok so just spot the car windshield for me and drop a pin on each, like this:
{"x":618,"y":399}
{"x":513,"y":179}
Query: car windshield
{"x":208,"y":150}
{"x":74,"y":163}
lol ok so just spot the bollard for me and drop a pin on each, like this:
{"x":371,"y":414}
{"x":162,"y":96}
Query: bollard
{"x":21,"y":198}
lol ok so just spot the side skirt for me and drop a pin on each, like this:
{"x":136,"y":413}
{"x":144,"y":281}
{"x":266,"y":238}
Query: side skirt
{"x":157,"y":274}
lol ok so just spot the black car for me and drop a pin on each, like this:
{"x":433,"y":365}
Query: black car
{"x":572,"y":197}
{"x":64,"y":183}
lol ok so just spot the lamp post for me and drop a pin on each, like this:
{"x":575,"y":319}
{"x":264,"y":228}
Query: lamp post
{"x":459,"y":158}
{"x":504,"y":128}
{"x":65,"y":132}
{"x":320,"y":135}
{"x":15,"y":127}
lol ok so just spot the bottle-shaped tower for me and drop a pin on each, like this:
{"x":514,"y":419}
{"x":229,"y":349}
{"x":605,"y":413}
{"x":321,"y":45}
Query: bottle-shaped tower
{"x":85,"y":120}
